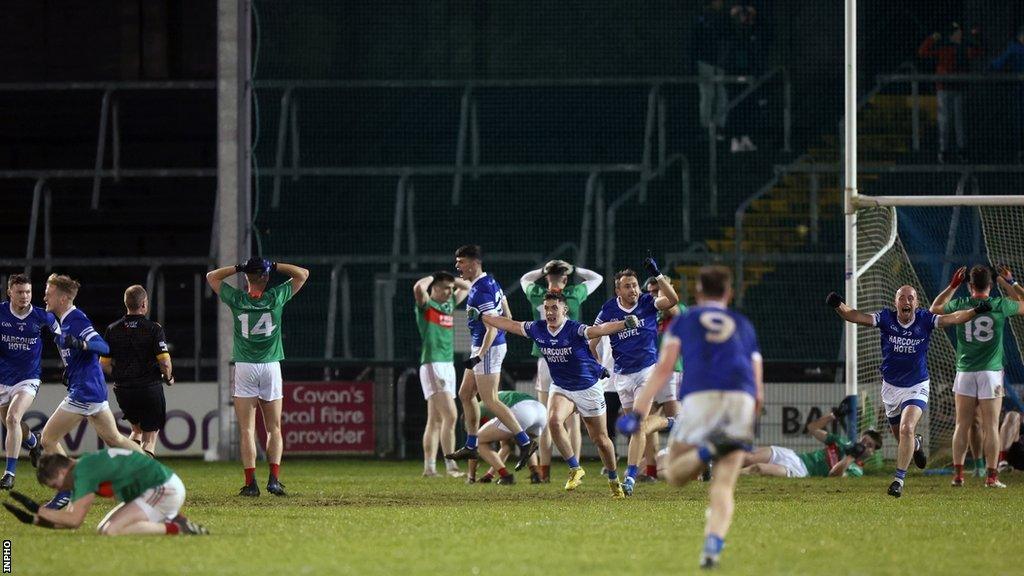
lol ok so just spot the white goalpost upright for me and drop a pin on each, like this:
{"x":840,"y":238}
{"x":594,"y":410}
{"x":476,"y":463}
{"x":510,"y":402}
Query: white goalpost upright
{"x":880,"y":263}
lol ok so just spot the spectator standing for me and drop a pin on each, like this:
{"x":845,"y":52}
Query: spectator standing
{"x":1012,"y":60}
{"x":953,"y":55}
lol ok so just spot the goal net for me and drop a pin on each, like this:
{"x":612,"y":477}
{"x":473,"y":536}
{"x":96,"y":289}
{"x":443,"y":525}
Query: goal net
{"x":920,"y":246}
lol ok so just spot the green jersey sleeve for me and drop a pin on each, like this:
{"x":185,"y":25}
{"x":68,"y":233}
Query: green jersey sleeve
{"x":229,"y":294}
{"x":854,"y":471}
{"x":282,"y":293}
{"x":1010,"y":307}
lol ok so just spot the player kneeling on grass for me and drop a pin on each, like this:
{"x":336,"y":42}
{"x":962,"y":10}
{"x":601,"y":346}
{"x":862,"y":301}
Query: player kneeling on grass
{"x":574,"y":374}
{"x":531,"y":415}
{"x":720,"y":393}
{"x":150,"y":494}
{"x":839,"y":457}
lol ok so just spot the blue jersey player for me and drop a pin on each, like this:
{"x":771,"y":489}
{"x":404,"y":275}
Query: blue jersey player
{"x":483,"y":367}
{"x":21,"y":349}
{"x":574,"y":379}
{"x":905,"y":335}
{"x":80,"y":347}
{"x":719,"y":394}
{"x":635,"y":350}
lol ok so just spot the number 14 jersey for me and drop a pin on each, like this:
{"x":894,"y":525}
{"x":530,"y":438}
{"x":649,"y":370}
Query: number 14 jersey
{"x":257,"y":322}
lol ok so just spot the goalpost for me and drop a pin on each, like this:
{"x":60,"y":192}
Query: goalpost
{"x":877,"y":263}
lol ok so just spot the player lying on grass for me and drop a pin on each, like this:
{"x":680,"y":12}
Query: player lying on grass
{"x":574,"y":374}
{"x":151,"y":494}
{"x":839,"y":457}
{"x":905,"y":335}
{"x":531,"y":415}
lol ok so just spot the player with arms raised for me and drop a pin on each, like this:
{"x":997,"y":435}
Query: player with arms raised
{"x":719,"y":394}
{"x":556,"y":275}
{"x":483,"y":367}
{"x":21,"y":349}
{"x":257,"y":353}
{"x":905,"y":334}
{"x":575,"y":374}
{"x":635,"y":350}
{"x":979,"y":364}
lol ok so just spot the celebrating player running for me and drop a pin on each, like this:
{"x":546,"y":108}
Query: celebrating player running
{"x":905,"y":333}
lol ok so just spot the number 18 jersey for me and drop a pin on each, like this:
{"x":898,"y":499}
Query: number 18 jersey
{"x":257,"y":322}
{"x":979,"y":343}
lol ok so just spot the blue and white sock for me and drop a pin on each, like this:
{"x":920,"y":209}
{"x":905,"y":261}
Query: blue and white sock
{"x":705,"y":454}
{"x":671,"y":423}
{"x":613,"y":475}
{"x":31,"y":441}
{"x":631,"y":471}
{"x":471,"y":441}
{"x":523,"y":438}
{"x":573,"y":462}
{"x":900,"y":475}
{"x":12,"y":463}
{"x":713,"y":545}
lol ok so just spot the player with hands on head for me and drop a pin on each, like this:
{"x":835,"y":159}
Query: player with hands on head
{"x":905,"y":335}
{"x":556,"y":276}
{"x":635,"y":350}
{"x":979,"y":384}
{"x":436,"y":297}
{"x":257,"y":352}
{"x":575,"y":374}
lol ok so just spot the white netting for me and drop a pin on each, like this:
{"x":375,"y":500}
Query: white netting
{"x":1002,"y":227}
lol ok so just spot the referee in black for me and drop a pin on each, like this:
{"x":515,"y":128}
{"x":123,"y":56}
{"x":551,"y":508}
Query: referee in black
{"x":139,"y":365}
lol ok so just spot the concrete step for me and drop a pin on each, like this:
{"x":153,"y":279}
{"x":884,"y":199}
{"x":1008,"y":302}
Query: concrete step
{"x":768,"y":234}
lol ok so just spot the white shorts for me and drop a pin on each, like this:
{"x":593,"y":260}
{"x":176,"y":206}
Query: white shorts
{"x":531,"y":415}
{"x":7,"y":393}
{"x":83,"y":408}
{"x":258,"y":380}
{"x":589,"y":402}
{"x":543,"y":380}
{"x":788,"y":459}
{"x":162,"y":503}
{"x":896,"y":399}
{"x":628,"y":385}
{"x":982,"y":385}
{"x":702,"y":413}
{"x":669,"y":391}
{"x":437,"y":377}
{"x":491,"y":362}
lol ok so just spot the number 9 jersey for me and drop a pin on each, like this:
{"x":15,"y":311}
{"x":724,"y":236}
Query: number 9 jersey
{"x":718,"y":347}
{"x":257,"y":322}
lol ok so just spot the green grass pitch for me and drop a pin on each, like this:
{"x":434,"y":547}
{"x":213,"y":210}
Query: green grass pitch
{"x":368,"y":517}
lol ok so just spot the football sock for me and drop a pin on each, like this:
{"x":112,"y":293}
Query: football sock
{"x":430,"y":464}
{"x":30,"y":441}
{"x":631,"y":471}
{"x":993,"y":474}
{"x":613,"y":475}
{"x":1002,"y":455}
{"x":471,"y":441}
{"x":573,"y":462}
{"x":249,"y":475}
{"x":275,"y":470}
{"x":12,"y":463}
{"x":170,"y":528}
{"x":900,"y":475}
{"x":652,"y":471}
{"x":958,"y":470}
{"x":671,"y":422}
{"x":523,"y":438}
{"x":545,"y":470}
{"x":503,"y":472}
{"x":705,"y":454}
{"x":713,"y":545}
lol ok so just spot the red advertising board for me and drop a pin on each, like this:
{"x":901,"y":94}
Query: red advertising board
{"x":327,"y":417}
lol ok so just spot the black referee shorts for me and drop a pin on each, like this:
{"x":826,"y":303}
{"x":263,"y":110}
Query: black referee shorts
{"x":144,"y":407}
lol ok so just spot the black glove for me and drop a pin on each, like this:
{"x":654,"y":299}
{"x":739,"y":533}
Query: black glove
{"x":856,"y":450}
{"x":257,"y":265}
{"x":168,"y":379}
{"x":843,"y":409}
{"x":604,"y":373}
{"x":983,"y":307}
{"x":651,"y":267}
{"x":470,"y":362}
{"x":29,"y":504}
{"x":74,"y":343}
{"x":21,"y":515}
{"x":834,"y":300}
